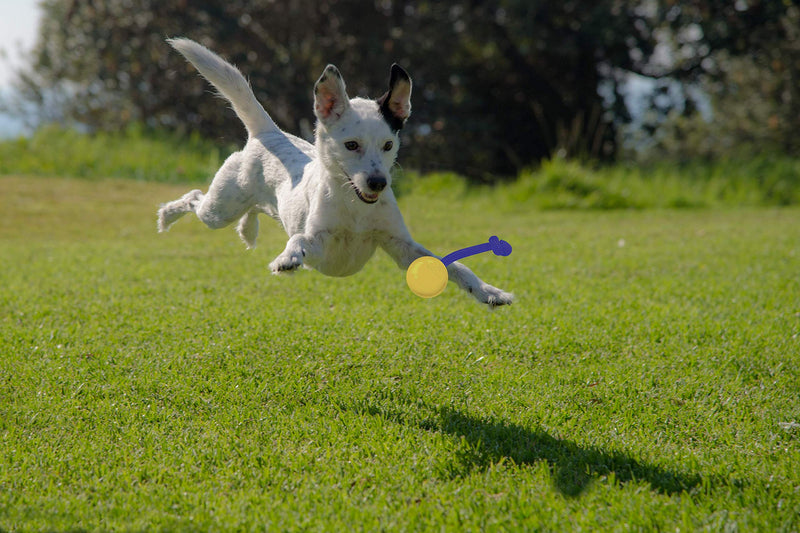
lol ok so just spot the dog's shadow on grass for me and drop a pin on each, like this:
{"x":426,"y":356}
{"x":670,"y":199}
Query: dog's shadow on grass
{"x":488,"y":442}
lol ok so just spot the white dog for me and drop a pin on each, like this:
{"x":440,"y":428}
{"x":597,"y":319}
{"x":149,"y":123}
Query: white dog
{"x":334,"y":197}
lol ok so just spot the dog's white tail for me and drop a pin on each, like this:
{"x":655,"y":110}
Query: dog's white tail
{"x":230,"y":82}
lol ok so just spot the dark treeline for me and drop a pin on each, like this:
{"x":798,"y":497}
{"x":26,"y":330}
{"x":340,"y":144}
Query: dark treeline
{"x":499,"y":84}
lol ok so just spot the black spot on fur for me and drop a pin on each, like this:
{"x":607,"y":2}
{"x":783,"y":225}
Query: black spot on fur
{"x":395,"y":122}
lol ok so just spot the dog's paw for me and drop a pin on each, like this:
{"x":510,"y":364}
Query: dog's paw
{"x":286,"y":262}
{"x":492,"y":296}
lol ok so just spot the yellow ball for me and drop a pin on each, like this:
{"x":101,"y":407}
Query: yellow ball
{"x":427,"y":277}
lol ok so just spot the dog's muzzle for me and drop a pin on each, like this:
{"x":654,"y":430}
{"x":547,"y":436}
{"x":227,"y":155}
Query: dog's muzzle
{"x":376,"y":183}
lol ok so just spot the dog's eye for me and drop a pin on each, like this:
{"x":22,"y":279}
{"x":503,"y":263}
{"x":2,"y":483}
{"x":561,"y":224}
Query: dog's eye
{"x":387,"y":146}
{"x":351,"y":145}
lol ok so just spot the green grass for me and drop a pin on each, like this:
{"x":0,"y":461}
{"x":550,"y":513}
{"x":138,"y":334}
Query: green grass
{"x":646,"y":378}
{"x":766,"y":180}
{"x":135,"y":154}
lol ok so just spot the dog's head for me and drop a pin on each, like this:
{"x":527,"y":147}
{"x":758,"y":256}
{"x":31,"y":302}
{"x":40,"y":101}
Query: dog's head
{"x":358,"y":139}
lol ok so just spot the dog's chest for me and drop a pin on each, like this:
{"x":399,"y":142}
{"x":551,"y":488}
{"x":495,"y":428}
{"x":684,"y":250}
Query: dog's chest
{"x":345,"y":252}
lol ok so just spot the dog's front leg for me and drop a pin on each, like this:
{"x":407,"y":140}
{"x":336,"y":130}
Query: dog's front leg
{"x":298,"y":249}
{"x":405,"y":250}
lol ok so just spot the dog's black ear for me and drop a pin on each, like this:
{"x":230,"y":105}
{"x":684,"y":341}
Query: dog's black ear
{"x":395,"y":105}
{"x":330,"y":96}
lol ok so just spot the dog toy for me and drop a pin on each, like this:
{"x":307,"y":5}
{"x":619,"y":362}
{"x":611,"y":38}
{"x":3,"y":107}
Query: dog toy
{"x":427,"y":275}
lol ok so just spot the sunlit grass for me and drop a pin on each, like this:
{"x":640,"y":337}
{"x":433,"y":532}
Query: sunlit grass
{"x":134,"y":154}
{"x":646,"y":377}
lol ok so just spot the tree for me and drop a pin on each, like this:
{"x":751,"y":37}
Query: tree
{"x":498,"y":84}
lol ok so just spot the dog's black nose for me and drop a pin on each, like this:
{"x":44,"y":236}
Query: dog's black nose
{"x":376,"y":183}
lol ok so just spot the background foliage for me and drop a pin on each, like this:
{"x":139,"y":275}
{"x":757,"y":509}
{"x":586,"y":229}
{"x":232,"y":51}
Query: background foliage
{"x":558,"y":183}
{"x":499,"y":84}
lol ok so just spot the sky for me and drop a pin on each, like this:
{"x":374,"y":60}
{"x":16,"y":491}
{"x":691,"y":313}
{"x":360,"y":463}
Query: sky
{"x":18,"y":22}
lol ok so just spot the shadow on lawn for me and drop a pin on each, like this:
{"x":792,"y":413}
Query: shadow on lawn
{"x":574,"y":467}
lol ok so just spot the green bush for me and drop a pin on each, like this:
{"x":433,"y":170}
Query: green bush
{"x":556,"y":184}
{"x":134,"y":153}
{"x":562,"y":184}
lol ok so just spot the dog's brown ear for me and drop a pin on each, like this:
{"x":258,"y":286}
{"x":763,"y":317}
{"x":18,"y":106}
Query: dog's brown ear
{"x":330,"y":96}
{"x":395,"y":105}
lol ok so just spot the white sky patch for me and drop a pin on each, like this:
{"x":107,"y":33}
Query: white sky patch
{"x":19,"y":20}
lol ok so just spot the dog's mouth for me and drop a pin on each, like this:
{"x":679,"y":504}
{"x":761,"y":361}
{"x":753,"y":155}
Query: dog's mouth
{"x":367,"y":198}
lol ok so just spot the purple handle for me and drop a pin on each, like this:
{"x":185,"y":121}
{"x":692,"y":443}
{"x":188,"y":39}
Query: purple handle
{"x":495,"y":245}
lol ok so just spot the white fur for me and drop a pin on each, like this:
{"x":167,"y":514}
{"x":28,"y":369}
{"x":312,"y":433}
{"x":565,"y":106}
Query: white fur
{"x":321,"y":193}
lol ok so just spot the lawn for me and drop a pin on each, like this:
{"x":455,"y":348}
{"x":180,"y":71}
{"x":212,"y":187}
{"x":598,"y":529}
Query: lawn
{"x":647,"y":377}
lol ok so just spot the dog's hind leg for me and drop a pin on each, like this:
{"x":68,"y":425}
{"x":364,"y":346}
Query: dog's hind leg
{"x":172,"y":211}
{"x":248,"y":228}
{"x":230,"y":196}
{"x":232,"y":193}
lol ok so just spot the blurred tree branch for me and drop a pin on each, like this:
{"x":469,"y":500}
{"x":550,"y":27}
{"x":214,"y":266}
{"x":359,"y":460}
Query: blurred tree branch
{"x":499,"y":84}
